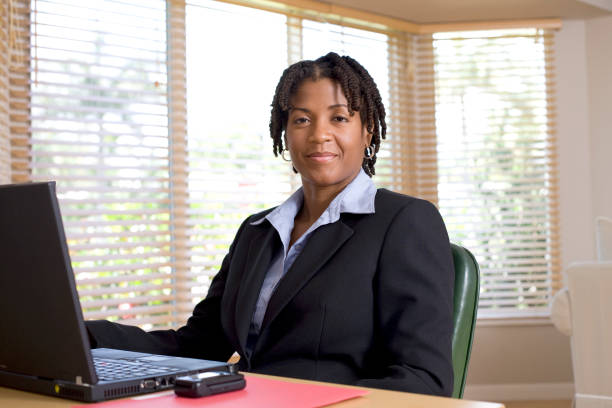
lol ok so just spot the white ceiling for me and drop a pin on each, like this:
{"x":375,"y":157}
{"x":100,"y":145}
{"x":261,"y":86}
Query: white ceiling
{"x":442,"y":11}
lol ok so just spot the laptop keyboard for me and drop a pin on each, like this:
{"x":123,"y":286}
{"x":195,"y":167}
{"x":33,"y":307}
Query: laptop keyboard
{"x":109,"y":369}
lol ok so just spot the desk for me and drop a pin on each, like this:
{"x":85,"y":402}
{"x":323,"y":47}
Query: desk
{"x":375,"y":399}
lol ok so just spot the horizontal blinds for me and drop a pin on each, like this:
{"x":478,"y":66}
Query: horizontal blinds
{"x":425,"y":136}
{"x":178,"y":155}
{"x":398,"y":149}
{"x":99,"y":111}
{"x":19,"y":90}
{"x":497,"y":162}
{"x":5,"y":146}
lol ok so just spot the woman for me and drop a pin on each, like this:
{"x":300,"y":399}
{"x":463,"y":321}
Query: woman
{"x":342,"y":282}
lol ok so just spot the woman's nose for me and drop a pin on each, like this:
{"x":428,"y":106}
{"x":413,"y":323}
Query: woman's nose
{"x":321,"y":132}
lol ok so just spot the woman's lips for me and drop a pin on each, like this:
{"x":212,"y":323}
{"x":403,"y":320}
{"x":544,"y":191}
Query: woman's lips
{"x":322,"y":157}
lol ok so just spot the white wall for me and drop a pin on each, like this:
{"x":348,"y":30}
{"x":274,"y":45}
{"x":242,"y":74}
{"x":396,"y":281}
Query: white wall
{"x":577,"y":218}
{"x":599,"y":57}
{"x":531,"y":360}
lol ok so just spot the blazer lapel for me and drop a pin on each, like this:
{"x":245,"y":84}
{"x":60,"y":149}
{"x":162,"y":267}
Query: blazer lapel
{"x":258,"y":258}
{"x":323,"y":243}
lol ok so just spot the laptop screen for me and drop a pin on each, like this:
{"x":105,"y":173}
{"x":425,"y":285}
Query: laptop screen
{"x":42,"y":323}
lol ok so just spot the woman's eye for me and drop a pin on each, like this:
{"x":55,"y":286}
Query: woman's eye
{"x":340,"y":118}
{"x":300,"y":121}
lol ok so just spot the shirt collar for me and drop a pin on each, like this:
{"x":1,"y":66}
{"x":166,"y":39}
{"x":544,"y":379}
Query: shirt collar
{"x":356,"y":198}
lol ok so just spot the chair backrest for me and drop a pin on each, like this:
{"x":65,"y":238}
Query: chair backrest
{"x":467,"y":290}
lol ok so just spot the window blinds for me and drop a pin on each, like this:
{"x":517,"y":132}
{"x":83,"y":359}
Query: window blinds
{"x":99,"y":111}
{"x":498,"y":186}
{"x":15,"y":91}
{"x":5,"y":146}
{"x":158,"y":160}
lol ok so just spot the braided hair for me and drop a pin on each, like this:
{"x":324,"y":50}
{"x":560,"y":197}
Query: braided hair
{"x":357,"y":85}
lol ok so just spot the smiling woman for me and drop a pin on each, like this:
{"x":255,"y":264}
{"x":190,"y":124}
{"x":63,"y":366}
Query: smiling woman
{"x":341,"y":282}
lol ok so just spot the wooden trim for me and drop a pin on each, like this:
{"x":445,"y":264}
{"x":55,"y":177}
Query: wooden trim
{"x":549,"y":23}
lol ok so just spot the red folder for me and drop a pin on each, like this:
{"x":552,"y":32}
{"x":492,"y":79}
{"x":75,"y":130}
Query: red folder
{"x":259,"y":392}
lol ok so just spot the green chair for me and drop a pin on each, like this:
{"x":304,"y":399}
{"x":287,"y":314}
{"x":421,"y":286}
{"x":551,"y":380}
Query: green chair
{"x":467,"y":289}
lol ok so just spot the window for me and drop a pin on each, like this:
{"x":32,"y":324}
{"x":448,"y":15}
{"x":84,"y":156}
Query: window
{"x":496,"y":162}
{"x":159,"y":142}
{"x":99,"y":122}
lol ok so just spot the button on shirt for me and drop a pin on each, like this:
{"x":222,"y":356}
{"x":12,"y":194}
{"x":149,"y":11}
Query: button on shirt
{"x":356,"y":198}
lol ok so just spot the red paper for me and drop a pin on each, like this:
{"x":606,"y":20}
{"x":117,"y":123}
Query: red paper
{"x":259,"y":392}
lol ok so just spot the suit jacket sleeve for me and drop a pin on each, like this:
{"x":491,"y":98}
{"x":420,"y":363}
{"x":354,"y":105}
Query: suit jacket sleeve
{"x":202,"y":336}
{"x":414,"y":293}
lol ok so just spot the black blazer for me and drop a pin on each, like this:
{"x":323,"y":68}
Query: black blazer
{"x":367,"y":302}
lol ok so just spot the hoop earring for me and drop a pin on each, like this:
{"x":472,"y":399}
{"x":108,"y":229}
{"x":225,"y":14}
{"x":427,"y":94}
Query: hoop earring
{"x":369,"y":153}
{"x":283,"y":155}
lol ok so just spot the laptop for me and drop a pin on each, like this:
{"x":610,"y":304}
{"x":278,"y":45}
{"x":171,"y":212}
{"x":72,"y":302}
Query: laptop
{"x":44,"y":346}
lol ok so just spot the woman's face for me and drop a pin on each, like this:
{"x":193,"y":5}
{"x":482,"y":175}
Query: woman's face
{"x":326,"y":143}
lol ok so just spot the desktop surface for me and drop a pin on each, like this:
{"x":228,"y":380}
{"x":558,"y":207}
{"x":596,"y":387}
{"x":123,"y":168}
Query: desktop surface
{"x":374,"y":399}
